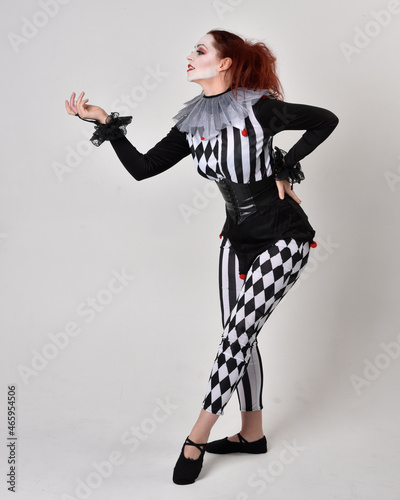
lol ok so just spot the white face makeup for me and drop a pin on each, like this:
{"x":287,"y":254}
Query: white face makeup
{"x":203,"y":61}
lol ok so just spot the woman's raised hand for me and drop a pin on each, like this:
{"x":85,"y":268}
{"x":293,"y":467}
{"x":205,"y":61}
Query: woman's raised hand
{"x":84,"y":110}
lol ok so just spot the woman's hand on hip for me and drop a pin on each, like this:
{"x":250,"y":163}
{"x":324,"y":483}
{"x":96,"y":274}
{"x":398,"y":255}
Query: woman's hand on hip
{"x":84,"y":110}
{"x":284,"y":187}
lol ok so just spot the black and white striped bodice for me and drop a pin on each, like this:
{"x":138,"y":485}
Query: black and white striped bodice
{"x":238,"y":153}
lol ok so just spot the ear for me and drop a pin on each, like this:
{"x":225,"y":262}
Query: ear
{"x":225,"y":64}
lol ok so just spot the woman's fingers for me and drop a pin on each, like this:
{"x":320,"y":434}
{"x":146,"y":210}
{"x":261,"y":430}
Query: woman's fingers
{"x":68,"y":108}
{"x":80,"y":97}
{"x":281,"y":189}
{"x":291,"y":193}
{"x":72,"y":102}
{"x":70,"y":105}
{"x":79,"y":107}
{"x":85,"y":110}
{"x":285,"y":188}
{"x":78,"y":101}
{"x":294,"y":196}
{"x":80,"y":104}
{"x":71,"y":109}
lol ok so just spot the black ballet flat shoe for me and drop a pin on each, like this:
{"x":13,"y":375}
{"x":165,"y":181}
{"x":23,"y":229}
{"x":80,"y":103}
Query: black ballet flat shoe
{"x":224,"y":446}
{"x":187,"y":470}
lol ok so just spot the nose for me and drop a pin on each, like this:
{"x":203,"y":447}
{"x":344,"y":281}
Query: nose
{"x":190,"y":57}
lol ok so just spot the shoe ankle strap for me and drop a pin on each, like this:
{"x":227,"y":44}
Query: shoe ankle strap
{"x":241,"y":438}
{"x":199,"y":446}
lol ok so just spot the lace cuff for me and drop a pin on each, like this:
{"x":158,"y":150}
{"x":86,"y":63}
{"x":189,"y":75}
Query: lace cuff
{"x":283,"y":172}
{"x":114,"y":128}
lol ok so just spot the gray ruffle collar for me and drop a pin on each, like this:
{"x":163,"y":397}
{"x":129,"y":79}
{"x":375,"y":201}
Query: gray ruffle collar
{"x":209,"y":115}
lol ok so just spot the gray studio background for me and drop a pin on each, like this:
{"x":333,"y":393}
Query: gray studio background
{"x":110,"y":311}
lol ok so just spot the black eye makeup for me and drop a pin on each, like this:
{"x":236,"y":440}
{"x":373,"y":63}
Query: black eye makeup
{"x":199,"y":49}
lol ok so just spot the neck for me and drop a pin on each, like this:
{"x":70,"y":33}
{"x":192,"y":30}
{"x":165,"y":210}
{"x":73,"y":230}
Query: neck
{"x":214,"y":87}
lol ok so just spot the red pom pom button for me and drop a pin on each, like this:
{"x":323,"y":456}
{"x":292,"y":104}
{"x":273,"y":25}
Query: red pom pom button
{"x":220,"y":236}
{"x":242,"y":276}
{"x":313,"y":244}
{"x":202,"y":138}
{"x":244,"y":133}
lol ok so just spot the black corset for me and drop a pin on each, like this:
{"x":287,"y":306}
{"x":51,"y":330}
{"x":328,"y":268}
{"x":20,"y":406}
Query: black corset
{"x":243,"y":200}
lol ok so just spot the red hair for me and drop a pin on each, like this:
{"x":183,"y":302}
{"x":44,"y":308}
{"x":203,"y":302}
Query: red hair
{"x":253,"y":64}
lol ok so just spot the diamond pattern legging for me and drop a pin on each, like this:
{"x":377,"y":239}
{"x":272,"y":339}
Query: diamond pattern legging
{"x":246,"y":305}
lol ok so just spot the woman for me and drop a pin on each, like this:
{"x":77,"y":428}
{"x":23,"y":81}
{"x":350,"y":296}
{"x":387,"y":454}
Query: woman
{"x":266,"y":238}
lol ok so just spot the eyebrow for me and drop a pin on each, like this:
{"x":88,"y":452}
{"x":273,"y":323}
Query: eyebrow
{"x":200,"y":45}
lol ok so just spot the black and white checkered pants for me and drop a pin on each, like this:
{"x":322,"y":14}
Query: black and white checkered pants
{"x":246,"y":305}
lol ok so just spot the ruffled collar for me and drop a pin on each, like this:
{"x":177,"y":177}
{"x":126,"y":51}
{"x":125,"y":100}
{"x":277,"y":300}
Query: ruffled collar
{"x":210,"y":114}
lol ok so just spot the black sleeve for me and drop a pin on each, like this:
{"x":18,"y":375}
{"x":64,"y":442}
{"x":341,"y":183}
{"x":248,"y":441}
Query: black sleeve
{"x":160,"y":158}
{"x":275,"y":116}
